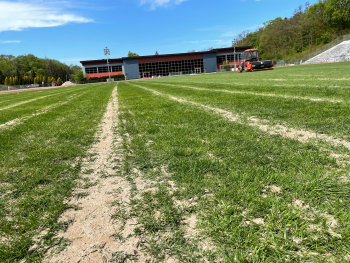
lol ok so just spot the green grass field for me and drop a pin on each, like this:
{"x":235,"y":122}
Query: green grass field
{"x":224,"y":167}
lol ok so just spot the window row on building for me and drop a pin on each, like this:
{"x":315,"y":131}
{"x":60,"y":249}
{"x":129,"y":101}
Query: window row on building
{"x":166,"y":67}
{"x":94,"y":70}
{"x":231,"y":58}
{"x":171,"y":68}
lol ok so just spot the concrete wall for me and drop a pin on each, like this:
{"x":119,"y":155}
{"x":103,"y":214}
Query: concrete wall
{"x":131,"y":67}
{"x":209,"y":60}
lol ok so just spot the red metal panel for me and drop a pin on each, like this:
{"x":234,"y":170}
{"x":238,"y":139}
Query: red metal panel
{"x":104,"y":74}
{"x":231,"y":63}
{"x":170,"y":58}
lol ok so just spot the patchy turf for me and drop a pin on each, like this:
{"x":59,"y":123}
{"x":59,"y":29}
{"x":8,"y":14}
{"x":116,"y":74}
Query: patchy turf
{"x":242,"y":192}
{"x":224,"y":167}
{"x":39,"y":160}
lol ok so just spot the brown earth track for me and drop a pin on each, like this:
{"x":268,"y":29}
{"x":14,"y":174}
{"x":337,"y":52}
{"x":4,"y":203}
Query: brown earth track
{"x":93,"y":232}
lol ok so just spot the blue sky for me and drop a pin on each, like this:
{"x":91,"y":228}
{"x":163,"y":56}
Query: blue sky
{"x":71,"y":31}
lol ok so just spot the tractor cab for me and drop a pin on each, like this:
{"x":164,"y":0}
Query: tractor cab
{"x":252,"y":55}
{"x":251,"y":62}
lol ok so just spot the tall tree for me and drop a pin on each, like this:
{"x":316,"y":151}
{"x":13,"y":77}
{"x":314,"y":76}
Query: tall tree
{"x":130,"y":54}
{"x":32,"y":75}
{"x":2,"y":78}
{"x":337,"y":12}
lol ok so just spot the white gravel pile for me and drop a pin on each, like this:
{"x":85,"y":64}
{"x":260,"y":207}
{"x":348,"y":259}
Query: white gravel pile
{"x":340,"y":52}
{"x":68,"y":83}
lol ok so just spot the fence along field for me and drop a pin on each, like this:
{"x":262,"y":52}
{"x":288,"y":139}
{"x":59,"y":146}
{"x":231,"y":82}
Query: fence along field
{"x":221,"y":167}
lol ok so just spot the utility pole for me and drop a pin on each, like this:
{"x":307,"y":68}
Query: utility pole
{"x":107,"y":52}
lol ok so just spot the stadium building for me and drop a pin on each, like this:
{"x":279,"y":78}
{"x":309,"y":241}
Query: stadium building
{"x":164,"y":65}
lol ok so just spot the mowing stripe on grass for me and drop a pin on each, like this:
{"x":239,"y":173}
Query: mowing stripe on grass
{"x":264,"y":125}
{"x":17,"y":121}
{"x":255,"y":94}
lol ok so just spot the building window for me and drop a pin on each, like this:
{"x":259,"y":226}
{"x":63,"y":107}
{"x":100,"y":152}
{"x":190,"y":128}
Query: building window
{"x":91,"y":70}
{"x":117,"y":68}
{"x":171,"y":68}
{"x":220,"y":59}
{"x":231,"y":58}
{"x":102,"y":69}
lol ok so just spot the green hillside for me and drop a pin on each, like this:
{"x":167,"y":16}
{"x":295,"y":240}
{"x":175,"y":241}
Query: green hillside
{"x":310,"y":27}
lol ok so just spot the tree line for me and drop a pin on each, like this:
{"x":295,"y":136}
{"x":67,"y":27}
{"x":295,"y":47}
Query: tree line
{"x":29,"y":69}
{"x":310,"y":27}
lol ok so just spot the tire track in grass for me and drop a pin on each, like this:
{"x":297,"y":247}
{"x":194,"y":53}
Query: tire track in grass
{"x":18,"y":121}
{"x":31,"y":100}
{"x":303,"y":136}
{"x":93,"y":233}
{"x":256,"y":94}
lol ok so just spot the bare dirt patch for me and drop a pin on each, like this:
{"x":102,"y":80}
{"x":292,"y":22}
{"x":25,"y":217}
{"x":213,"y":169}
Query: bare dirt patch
{"x":190,"y":226}
{"x":93,"y":233}
{"x":331,"y":222}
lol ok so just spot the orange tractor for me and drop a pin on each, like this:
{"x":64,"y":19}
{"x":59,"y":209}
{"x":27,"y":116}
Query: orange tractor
{"x":251,"y":62}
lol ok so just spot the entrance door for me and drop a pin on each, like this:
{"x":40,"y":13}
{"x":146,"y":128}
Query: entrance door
{"x":146,"y":75}
{"x":197,"y":70}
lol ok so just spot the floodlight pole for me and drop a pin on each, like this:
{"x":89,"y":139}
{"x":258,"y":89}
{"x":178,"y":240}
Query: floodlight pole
{"x":234,"y":52}
{"x":107,"y":52}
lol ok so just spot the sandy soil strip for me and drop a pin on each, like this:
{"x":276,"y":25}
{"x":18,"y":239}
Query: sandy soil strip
{"x":17,"y":121}
{"x":93,"y":233}
{"x":264,"y":125}
{"x":258,"y":94}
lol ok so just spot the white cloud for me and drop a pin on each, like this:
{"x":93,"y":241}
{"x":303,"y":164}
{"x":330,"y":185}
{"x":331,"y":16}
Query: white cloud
{"x":10,"y":41}
{"x":160,"y":3}
{"x":17,"y":16}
